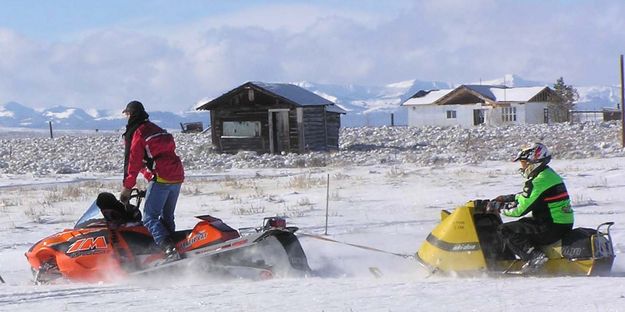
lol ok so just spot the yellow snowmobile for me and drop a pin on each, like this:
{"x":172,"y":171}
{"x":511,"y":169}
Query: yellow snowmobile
{"x":465,"y":242}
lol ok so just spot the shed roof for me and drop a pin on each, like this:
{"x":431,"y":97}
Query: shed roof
{"x":293,"y":94}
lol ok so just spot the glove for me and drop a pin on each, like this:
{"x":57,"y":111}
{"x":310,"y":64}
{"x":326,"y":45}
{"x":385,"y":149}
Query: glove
{"x":494,"y":206}
{"x":124,"y":195}
{"x":505,"y":198}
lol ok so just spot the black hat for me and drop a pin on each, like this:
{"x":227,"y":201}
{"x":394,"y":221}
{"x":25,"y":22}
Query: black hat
{"x":133,"y":108}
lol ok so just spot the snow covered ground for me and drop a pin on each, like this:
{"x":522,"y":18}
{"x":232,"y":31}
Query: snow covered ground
{"x":378,"y":198}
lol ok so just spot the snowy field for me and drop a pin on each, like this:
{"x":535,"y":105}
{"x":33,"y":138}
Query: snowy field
{"x":391,"y":205}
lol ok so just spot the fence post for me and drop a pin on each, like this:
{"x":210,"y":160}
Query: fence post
{"x":622,"y":105}
{"x":327,"y":203}
{"x":392,"y":119}
{"x":50,"y":124}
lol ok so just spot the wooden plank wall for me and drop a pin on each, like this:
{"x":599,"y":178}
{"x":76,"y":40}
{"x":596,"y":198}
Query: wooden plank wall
{"x":314,"y":128}
{"x":320,"y":130}
{"x":233,"y":145}
{"x":293,"y":131}
{"x":333,"y":125}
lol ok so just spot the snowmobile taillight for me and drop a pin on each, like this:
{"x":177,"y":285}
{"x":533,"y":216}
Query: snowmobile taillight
{"x":275,"y":222}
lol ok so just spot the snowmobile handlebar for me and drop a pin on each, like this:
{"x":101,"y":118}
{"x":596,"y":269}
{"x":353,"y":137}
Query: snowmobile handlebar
{"x":491,"y":206}
{"x":496,"y":207}
{"x":137,"y":193}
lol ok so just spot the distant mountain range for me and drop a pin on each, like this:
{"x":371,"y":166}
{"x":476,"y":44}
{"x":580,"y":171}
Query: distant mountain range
{"x":365,"y":106}
{"x":16,"y":115}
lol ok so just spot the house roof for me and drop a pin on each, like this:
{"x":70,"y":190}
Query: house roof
{"x":519,"y":94}
{"x":505,"y":94}
{"x":489,"y":93}
{"x":292,"y":94}
{"x":427,"y":97}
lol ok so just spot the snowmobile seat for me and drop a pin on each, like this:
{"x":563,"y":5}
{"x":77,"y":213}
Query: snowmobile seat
{"x":115,"y":211}
{"x":577,"y":243}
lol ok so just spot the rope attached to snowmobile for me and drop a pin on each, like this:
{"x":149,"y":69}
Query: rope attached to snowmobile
{"x":358,"y":246}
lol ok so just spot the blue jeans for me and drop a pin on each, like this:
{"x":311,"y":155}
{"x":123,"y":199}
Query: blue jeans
{"x":160,"y":202}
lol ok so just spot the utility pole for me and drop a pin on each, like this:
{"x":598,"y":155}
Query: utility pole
{"x":622,"y":105}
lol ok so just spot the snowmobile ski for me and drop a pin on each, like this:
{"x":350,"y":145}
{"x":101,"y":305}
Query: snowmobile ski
{"x":241,"y":272}
{"x":203,"y":255}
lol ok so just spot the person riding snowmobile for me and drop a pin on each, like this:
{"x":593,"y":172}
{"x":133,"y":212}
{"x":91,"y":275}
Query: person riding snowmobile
{"x":150,"y":150}
{"x":545,"y":195}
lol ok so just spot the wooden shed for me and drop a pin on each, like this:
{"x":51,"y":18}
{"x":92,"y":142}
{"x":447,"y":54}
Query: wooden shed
{"x":273,"y":118}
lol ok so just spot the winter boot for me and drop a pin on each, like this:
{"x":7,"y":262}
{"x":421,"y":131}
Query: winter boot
{"x":171,"y":253}
{"x":537,"y":259}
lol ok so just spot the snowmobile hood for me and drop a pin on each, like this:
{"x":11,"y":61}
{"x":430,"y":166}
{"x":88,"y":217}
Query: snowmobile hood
{"x":454,"y":245}
{"x":61,"y":237}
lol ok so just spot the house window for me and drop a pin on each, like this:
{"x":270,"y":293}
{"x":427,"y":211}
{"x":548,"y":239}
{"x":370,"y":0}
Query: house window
{"x":451,"y":114}
{"x":508,"y":114}
{"x":241,"y":129}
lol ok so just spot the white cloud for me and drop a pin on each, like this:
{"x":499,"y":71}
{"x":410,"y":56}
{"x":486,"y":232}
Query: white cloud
{"x":171,"y":68}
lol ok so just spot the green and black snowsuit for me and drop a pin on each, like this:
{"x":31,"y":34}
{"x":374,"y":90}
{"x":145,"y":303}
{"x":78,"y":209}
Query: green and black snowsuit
{"x":546,"y":197}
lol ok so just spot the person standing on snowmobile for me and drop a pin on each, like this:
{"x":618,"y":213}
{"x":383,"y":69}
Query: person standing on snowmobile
{"x":150,"y":150}
{"x":545,"y":195}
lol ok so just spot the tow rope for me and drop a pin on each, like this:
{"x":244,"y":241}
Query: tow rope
{"x":319,"y":237}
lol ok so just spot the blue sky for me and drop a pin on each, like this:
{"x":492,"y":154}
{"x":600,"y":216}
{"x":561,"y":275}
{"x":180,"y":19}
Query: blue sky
{"x":58,"y":20}
{"x":172,"y":54}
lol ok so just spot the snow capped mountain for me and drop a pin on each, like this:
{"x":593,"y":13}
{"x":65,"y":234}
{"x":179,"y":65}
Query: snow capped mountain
{"x":512,"y":80}
{"x":590,"y":97}
{"x":372,"y":105}
{"x":365,"y":105}
{"x":598,"y":97}
{"x":68,"y":117}
{"x":16,"y":115}
{"x":13,"y":114}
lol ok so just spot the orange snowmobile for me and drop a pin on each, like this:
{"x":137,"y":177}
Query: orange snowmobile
{"x":109,"y":242}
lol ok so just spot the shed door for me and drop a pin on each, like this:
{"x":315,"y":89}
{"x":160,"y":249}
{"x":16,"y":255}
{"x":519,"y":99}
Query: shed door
{"x":279,"y":131}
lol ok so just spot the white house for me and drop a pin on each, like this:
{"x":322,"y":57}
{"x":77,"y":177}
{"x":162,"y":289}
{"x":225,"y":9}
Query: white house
{"x":472,"y":105}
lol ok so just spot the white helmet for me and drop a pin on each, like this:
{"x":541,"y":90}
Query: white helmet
{"x":536,"y":156}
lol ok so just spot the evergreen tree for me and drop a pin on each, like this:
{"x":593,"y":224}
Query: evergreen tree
{"x":563,"y":102}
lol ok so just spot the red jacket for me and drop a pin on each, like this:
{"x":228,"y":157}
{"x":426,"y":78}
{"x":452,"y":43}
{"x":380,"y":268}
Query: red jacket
{"x":153,"y":153}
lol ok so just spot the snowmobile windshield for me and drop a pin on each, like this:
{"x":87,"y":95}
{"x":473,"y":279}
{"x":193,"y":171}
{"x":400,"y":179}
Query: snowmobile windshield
{"x":93,"y":215}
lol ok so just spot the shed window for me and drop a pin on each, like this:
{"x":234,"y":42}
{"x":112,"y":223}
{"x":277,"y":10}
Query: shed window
{"x":451,"y":114}
{"x":241,"y":129}
{"x":508,"y":114}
